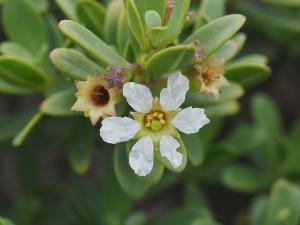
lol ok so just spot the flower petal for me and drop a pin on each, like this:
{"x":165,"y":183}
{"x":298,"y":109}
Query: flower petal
{"x":190,"y":120}
{"x":138,"y":97}
{"x":81,"y":104}
{"x":141,"y":156}
{"x":117,"y":129}
{"x":172,"y":97}
{"x":167,"y":148}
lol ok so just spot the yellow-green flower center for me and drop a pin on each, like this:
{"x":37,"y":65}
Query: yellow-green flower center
{"x":155,"y":120}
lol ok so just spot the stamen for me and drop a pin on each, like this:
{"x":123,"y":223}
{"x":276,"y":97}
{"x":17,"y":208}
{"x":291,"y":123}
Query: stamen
{"x":160,"y":116}
{"x":149,"y":117}
{"x":155,"y":120}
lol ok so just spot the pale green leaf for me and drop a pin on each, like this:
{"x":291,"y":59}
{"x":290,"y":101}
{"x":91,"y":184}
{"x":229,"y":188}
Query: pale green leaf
{"x":59,"y":104}
{"x":170,"y":59}
{"x":91,"y":43}
{"x":74,"y":64}
{"x":215,"y":34}
{"x":23,"y":25}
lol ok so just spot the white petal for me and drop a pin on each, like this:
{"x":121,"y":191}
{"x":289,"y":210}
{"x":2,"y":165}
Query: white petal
{"x":138,"y":97}
{"x":117,"y":129}
{"x":167,"y":148}
{"x":172,"y":97}
{"x":141,"y":157}
{"x":190,"y":120}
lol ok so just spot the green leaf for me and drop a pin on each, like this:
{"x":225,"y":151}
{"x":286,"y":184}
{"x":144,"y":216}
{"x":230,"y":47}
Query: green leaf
{"x":295,"y":134}
{"x":280,"y":26}
{"x":152,"y":19}
{"x":68,"y":7}
{"x":74,"y":64}
{"x":283,"y":207}
{"x":210,"y":131}
{"x":122,"y":34}
{"x":222,"y":110}
{"x":91,"y":43}
{"x":55,"y":37}
{"x":257,"y":210}
{"x":12,"y":88}
{"x":268,"y":121}
{"x":192,"y":194}
{"x":135,"y":24}
{"x":10,"y":125}
{"x":134,"y":186}
{"x":248,"y":70}
{"x":16,"y":51}
{"x":92,"y":14}
{"x":23,"y":25}
{"x":111,"y":192}
{"x":243,"y":178}
{"x":215,"y":9}
{"x":158,"y":6}
{"x":176,"y":21}
{"x":16,"y":71}
{"x":166,"y":162}
{"x":40,"y":6}
{"x":4,"y":221}
{"x":216,"y":33}
{"x":113,"y":12}
{"x":181,"y":216}
{"x":243,"y":139}
{"x":194,"y":147}
{"x":231,"y":48}
{"x":24,"y":133}
{"x":266,"y":115}
{"x":201,"y":17}
{"x":81,"y":148}
{"x":228,"y":93}
{"x":286,"y":3}
{"x":170,"y":59}
{"x":59,"y":104}
{"x":136,"y":218}
{"x":84,"y":202}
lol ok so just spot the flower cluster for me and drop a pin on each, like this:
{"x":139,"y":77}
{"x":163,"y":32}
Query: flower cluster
{"x":155,"y":123}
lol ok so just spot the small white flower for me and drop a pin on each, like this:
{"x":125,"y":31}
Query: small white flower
{"x":155,"y":123}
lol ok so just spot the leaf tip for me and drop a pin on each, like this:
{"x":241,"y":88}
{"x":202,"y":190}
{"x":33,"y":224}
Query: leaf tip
{"x":243,"y":18}
{"x":52,"y":54}
{"x":62,"y":23}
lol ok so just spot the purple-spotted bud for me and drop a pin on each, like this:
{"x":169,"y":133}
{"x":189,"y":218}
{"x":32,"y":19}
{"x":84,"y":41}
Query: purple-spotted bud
{"x":116,"y":76}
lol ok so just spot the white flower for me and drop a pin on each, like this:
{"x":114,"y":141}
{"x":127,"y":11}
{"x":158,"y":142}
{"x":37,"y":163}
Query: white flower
{"x":155,"y":123}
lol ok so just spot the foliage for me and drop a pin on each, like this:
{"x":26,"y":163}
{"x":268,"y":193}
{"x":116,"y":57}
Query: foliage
{"x":44,"y":57}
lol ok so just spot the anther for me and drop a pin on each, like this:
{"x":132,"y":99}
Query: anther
{"x":149,"y":117}
{"x":160,"y":116}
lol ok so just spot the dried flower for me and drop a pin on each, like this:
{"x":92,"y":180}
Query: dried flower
{"x":209,"y":75}
{"x":95,"y":97}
